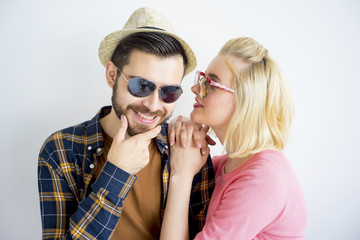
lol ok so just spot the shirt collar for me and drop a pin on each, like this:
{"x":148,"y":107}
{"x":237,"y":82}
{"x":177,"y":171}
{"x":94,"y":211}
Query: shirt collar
{"x":94,"y":136}
{"x":162,"y":139}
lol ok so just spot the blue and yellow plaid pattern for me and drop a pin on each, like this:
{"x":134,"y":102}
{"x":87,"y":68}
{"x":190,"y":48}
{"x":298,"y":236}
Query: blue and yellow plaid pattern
{"x":75,"y":206}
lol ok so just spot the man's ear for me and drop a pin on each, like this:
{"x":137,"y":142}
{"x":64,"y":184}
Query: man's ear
{"x":110,"y":73}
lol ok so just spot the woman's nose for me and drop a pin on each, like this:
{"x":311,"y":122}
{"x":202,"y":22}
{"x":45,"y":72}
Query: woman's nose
{"x":195,"y":89}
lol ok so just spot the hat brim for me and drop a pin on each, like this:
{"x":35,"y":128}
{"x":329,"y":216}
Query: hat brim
{"x":111,"y":41}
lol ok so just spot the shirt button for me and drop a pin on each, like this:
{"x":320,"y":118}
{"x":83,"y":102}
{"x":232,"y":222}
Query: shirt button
{"x":89,"y":148}
{"x":91,"y":166}
{"x":166,"y":146}
{"x":98,"y":150}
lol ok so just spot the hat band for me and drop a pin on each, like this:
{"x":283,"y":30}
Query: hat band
{"x":155,"y":28}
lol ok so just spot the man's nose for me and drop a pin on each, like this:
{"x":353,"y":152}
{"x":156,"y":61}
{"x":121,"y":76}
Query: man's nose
{"x":153,"y":101}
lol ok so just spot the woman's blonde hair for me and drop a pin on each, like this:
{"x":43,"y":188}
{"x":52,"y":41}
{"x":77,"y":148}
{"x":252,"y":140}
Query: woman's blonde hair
{"x":263,"y":100}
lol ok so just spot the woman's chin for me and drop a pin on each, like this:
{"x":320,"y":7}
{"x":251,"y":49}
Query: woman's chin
{"x":195,"y":117}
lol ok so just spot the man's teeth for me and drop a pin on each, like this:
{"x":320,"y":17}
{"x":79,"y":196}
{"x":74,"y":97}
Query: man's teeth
{"x":144,"y":116}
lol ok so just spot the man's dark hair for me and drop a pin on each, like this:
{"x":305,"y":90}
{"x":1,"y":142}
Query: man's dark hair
{"x":156,"y":43}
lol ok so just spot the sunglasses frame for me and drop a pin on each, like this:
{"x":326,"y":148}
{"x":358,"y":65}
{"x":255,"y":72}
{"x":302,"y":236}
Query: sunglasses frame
{"x":201,"y":76}
{"x":161,"y":89}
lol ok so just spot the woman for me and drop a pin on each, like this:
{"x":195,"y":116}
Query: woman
{"x":247,"y":102}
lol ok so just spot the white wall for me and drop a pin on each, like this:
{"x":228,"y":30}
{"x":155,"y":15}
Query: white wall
{"x":51,"y":78}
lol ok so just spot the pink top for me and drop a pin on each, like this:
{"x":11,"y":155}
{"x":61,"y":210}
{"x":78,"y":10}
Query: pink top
{"x":262,"y":199}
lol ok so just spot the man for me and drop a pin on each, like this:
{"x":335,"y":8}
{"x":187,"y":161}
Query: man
{"x":108,"y":177}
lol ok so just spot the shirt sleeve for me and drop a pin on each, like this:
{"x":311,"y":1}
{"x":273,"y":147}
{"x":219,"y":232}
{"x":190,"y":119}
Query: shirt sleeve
{"x":65,"y":216}
{"x":202,"y":189}
{"x":251,"y":203}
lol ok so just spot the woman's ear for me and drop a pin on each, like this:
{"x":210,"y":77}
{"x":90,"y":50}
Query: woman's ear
{"x":110,"y":73}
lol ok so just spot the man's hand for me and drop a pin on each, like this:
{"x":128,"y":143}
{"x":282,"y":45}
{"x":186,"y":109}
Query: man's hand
{"x":132,"y":154}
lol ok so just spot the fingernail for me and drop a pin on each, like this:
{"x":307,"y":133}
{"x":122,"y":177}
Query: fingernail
{"x":198,"y":145}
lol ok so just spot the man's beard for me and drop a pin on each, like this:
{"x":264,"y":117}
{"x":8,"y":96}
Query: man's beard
{"x":140,"y":128}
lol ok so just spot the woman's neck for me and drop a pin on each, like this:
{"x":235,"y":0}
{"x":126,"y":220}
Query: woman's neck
{"x":220,"y":134}
{"x":231,"y":163}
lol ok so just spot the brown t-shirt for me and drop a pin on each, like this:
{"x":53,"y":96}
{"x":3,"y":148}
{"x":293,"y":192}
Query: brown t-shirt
{"x":140,"y":217}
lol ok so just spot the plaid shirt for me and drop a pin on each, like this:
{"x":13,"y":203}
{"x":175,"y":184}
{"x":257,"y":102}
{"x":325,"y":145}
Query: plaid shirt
{"x":75,"y":206}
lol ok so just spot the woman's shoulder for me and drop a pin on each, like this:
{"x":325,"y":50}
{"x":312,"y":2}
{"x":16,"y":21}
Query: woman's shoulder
{"x":269,"y":159}
{"x":273,"y":167}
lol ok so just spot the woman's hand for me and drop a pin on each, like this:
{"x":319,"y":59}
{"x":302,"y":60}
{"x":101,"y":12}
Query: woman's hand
{"x":200,"y":136}
{"x":186,"y":159}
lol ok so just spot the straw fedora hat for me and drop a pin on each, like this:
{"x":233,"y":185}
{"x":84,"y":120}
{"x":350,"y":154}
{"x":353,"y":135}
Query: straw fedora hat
{"x":143,"y":20}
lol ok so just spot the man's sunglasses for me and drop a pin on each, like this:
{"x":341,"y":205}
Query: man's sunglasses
{"x":206,"y":82}
{"x":140,"y":87}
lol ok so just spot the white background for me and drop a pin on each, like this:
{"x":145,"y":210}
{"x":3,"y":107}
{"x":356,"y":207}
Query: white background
{"x":51,"y":78}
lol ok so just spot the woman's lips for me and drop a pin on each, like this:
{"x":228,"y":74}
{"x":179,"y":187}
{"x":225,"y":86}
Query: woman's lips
{"x":197,"y":104}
